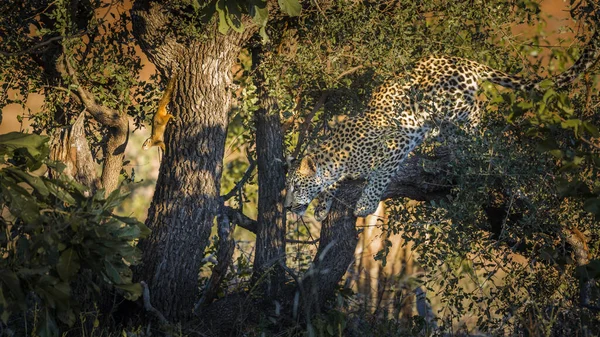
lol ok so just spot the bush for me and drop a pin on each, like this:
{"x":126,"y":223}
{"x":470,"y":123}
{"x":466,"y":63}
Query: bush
{"x":54,"y":229}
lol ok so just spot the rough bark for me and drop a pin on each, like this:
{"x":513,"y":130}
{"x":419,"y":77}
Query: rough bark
{"x":270,"y":236}
{"x":269,"y":261}
{"x":70,"y":146}
{"x":114,"y":121}
{"x":224,"y":256}
{"x":186,"y":199}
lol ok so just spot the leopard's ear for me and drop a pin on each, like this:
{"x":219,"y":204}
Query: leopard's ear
{"x":308,"y":166}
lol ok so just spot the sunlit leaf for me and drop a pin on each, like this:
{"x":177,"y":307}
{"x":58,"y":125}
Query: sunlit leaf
{"x":223,"y":26}
{"x":290,"y":7}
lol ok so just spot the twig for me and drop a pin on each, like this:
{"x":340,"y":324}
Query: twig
{"x":240,"y":183}
{"x":148,"y":306}
{"x":56,"y":38}
{"x":306,"y":242}
{"x":590,"y":143}
{"x":103,"y":114}
{"x":39,"y":45}
{"x":306,"y":124}
{"x":349,"y":71}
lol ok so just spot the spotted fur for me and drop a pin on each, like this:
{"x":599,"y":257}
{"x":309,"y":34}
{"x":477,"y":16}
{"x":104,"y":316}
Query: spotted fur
{"x":401,"y":114}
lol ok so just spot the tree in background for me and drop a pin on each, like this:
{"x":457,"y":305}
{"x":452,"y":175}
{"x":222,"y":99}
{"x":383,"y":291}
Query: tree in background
{"x":62,"y":244}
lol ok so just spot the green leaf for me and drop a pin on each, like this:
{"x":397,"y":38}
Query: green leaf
{"x":557,"y":153}
{"x":21,"y":202}
{"x":134,"y":290}
{"x":48,"y":327}
{"x":11,"y":281}
{"x":223,"y":26}
{"x":592,"y":205}
{"x":112,"y":273}
{"x":68,"y":264}
{"x":15,"y":140}
{"x":592,"y":129}
{"x":547,"y":145}
{"x":36,"y":182}
{"x":547,"y":83}
{"x":260,"y":16}
{"x":572,"y":124}
{"x":61,"y":194}
{"x":548,"y":94}
{"x":290,"y":7}
{"x":330,"y":330}
{"x":234,"y":16}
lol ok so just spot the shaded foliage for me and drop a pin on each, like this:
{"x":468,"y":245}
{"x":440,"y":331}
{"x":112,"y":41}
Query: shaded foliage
{"x":52,"y":232}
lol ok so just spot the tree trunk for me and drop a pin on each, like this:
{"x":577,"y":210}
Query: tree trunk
{"x":338,"y":232}
{"x":186,"y":199}
{"x":269,"y":260}
{"x":336,"y":251}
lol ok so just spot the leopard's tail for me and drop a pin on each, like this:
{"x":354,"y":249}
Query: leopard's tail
{"x":589,"y":56}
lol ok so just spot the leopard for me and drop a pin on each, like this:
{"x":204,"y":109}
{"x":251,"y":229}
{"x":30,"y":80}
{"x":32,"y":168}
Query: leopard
{"x":400,"y":115}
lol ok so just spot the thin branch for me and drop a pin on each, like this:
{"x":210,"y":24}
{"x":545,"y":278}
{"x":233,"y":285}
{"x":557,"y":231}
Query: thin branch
{"x":39,"y":45}
{"x":305,"y":242}
{"x":240,"y":183}
{"x":238,"y":218}
{"x":103,"y":114}
{"x":148,"y":306}
{"x":56,"y":38}
{"x":304,"y":128}
{"x":590,"y":143}
{"x":349,"y":71}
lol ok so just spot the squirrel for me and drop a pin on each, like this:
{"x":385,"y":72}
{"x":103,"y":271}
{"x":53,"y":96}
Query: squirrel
{"x":160,"y":120}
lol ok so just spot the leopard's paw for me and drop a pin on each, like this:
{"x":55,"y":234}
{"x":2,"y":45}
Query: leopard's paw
{"x":322,"y":209}
{"x":320,"y":214}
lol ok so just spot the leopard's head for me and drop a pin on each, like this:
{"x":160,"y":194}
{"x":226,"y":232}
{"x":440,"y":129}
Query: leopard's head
{"x":304,"y":183}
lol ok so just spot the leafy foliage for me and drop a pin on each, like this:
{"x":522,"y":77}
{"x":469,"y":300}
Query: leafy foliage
{"x":518,"y":184}
{"x":52,"y":232}
{"x":95,"y":36}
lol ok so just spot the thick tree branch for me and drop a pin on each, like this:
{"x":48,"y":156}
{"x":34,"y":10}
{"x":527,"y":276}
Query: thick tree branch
{"x":103,"y":114}
{"x":238,"y":218}
{"x":117,"y":124}
{"x":71,"y":147}
{"x":338,"y":232}
{"x":413,"y":181}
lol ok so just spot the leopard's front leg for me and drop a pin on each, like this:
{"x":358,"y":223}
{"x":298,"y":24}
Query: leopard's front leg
{"x":324,"y":201}
{"x":397,"y":146}
{"x":372,"y":193}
